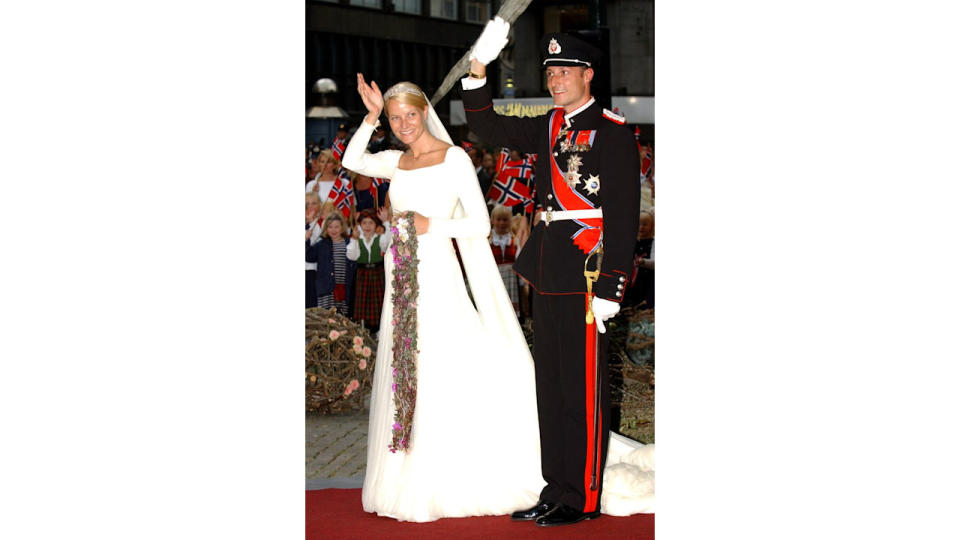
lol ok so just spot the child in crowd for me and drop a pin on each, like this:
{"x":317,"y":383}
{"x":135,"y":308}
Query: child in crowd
{"x":368,"y":251}
{"x":505,"y":250}
{"x":335,"y":272}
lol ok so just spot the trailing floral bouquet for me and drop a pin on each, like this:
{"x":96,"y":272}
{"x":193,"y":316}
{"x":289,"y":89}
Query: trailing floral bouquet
{"x":404,"y":322}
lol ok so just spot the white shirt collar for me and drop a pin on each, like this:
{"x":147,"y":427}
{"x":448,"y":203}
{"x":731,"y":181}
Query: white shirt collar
{"x":578,"y":110}
{"x":502,"y":240}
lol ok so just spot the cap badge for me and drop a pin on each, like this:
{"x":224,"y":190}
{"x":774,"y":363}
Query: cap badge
{"x":554,"y":47}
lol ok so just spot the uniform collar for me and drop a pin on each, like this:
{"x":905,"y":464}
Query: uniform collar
{"x":578,"y":110}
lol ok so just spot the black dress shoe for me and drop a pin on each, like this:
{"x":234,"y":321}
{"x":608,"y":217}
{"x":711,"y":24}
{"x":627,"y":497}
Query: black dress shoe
{"x":564,"y":515}
{"x":541,"y":509}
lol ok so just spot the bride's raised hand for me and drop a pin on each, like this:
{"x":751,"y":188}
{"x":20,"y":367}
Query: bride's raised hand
{"x":371,"y":96}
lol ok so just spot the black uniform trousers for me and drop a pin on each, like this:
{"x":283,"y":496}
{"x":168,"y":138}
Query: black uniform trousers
{"x":565,"y":397}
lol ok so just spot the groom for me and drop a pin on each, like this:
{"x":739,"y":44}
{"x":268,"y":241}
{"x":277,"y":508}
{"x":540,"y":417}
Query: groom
{"x":588,"y":183}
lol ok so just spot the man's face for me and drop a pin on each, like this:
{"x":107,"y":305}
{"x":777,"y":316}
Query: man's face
{"x":488,"y":163}
{"x":569,"y":86}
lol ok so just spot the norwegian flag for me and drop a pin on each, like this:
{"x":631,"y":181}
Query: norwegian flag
{"x":467,"y":146}
{"x":530,"y":204}
{"x":646,"y":155}
{"x":510,"y":193}
{"x":513,"y":184}
{"x":518,"y":168}
{"x":342,"y":193}
{"x":646,"y":161}
{"x":339,"y":145}
{"x":502,"y":159}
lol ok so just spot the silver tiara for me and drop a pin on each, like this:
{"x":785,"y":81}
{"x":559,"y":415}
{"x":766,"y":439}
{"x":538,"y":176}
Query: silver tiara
{"x":398,"y":89}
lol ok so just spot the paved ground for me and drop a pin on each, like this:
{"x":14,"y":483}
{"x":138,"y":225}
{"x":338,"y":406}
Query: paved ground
{"x":336,"y":450}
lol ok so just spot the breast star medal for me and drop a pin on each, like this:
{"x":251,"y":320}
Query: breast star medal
{"x":572,"y":177}
{"x":593,"y":184}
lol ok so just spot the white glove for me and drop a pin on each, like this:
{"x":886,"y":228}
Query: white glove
{"x":491,"y":41}
{"x":603,"y":310}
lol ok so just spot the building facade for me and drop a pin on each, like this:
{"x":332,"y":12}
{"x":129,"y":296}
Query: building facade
{"x":421,"y":40}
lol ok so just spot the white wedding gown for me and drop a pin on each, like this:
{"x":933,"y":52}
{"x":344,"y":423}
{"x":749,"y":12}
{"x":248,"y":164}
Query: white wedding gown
{"x":475,"y":446}
{"x":475,"y":442}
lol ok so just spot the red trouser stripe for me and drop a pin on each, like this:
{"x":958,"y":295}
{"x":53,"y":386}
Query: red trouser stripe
{"x":593,"y":452}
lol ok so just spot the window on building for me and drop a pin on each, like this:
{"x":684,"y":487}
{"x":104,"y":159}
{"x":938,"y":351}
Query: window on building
{"x":444,"y":9}
{"x":407,"y":6}
{"x":477,"y":11}
{"x":367,"y":3}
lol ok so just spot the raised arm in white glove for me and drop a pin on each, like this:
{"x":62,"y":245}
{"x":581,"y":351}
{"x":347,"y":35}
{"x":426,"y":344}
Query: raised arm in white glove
{"x":491,"y":41}
{"x":603,"y":310}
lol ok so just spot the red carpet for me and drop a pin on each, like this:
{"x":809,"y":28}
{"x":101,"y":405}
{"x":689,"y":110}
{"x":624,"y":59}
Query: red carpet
{"x":337,"y":513}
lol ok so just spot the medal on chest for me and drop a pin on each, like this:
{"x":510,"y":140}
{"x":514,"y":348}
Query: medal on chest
{"x":576,"y":141}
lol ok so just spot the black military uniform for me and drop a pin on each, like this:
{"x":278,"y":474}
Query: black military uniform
{"x":587,"y":159}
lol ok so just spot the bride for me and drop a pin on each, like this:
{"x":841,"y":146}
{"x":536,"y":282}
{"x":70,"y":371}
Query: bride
{"x":474,"y":445}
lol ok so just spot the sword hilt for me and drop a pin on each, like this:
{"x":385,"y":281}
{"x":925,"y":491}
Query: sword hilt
{"x":591,"y":276}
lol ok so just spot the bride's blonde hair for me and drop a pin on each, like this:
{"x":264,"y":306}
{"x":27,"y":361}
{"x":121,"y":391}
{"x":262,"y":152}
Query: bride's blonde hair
{"x":407,"y":93}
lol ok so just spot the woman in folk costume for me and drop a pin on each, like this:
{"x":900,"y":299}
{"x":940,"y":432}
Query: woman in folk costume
{"x":505,"y":248}
{"x":453,"y":420}
{"x":367,"y":250}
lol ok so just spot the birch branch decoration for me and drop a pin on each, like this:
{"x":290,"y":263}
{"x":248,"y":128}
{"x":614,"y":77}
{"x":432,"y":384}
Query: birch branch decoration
{"x":509,"y":11}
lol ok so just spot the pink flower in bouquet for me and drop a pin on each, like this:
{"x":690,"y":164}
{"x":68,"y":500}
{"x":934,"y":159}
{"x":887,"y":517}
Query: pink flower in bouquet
{"x":334,"y":335}
{"x":354,"y":384}
{"x":366,"y":352}
{"x":348,"y":391}
{"x":363,"y":364}
{"x":357,"y":349}
{"x":357,"y":340}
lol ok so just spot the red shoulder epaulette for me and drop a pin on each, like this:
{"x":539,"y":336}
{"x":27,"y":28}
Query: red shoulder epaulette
{"x":614,"y":117}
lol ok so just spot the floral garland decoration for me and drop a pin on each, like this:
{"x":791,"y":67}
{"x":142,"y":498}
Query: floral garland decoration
{"x":404,"y":322}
